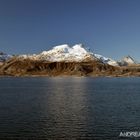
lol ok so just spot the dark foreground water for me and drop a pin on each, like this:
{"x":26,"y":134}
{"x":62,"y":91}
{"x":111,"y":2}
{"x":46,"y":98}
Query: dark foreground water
{"x":69,"y":108}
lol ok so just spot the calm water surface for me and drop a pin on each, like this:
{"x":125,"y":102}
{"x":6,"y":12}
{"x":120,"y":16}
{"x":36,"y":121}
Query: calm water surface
{"x":68,"y":108}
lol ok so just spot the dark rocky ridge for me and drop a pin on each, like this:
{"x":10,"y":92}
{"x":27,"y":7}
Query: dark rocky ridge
{"x":27,"y":67}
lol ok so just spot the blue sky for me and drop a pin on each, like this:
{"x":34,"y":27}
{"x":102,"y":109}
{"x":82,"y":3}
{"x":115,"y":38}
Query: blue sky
{"x":108,"y":27}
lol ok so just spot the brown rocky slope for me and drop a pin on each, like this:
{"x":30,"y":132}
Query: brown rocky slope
{"x":27,"y":67}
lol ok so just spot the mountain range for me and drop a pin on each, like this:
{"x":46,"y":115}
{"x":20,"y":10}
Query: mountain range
{"x":76,"y":53}
{"x":66,"y":60}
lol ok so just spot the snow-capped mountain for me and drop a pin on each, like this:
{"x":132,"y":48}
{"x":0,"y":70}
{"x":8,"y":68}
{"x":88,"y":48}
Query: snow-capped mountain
{"x":4,"y":57}
{"x":66,"y":53}
{"x":65,"y":60}
{"x":76,"y":53}
{"x":128,"y":60}
{"x":106,"y":60}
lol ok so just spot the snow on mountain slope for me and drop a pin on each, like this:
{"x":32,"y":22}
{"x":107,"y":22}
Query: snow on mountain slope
{"x":128,"y":60}
{"x":76,"y":53}
{"x":4,"y":57}
{"x":106,"y":60}
{"x":64,"y":52}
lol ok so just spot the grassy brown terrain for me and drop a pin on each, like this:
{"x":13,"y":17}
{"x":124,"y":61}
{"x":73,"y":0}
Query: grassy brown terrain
{"x":27,"y":67}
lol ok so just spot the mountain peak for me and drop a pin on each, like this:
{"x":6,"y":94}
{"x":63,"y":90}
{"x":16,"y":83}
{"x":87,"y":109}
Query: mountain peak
{"x":76,"y":53}
{"x":128,"y":60}
{"x":66,"y":53}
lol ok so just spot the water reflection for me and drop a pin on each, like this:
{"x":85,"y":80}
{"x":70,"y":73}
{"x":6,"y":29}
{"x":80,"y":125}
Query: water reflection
{"x":67,"y":108}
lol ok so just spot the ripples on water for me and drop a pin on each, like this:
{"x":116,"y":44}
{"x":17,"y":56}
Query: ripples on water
{"x":68,"y":108}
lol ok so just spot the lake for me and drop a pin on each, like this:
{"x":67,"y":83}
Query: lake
{"x":68,"y":108}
